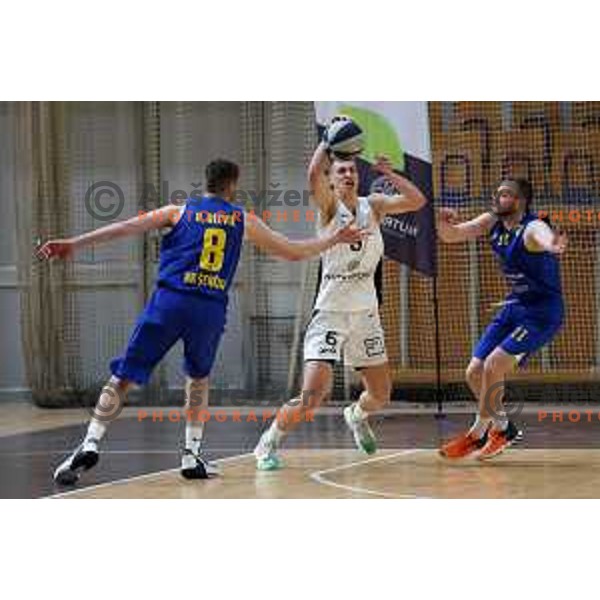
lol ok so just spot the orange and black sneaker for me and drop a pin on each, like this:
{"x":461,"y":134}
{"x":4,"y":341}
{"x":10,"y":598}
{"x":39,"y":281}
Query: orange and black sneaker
{"x":463,"y":445}
{"x":499,"y":440}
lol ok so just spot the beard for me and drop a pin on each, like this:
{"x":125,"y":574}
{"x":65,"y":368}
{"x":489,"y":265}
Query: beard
{"x":503,"y":213}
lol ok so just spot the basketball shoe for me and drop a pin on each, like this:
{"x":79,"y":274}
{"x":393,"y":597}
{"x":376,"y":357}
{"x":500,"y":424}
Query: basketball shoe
{"x":499,"y":440}
{"x":466,"y":444}
{"x":84,"y":457}
{"x":266,"y":453}
{"x":364,"y":438}
{"x":194,"y":466}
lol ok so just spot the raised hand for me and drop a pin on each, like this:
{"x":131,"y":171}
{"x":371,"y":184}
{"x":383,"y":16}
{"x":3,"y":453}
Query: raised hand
{"x":448,"y":216}
{"x":560,"y":243}
{"x":383,"y":165}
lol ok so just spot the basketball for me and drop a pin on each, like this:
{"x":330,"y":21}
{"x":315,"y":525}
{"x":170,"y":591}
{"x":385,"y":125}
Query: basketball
{"x":344,"y":137}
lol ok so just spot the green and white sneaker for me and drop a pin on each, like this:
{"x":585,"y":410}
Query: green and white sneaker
{"x":266,"y":454}
{"x":360,"y":428}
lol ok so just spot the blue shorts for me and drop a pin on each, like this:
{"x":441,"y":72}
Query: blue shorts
{"x":520,"y":330}
{"x":168,"y":317}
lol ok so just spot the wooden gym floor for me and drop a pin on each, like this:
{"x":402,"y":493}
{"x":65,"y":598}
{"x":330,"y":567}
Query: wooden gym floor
{"x":140,"y":459}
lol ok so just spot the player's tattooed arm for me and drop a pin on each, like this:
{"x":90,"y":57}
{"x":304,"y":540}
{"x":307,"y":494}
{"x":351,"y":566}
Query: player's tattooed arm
{"x":539,"y":237}
{"x":452,"y":231}
{"x":156,"y":219}
{"x":321,"y":192}
{"x":408,"y":199}
{"x":279,"y":245}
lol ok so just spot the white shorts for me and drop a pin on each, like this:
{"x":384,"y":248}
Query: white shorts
{"x":358,"y":335}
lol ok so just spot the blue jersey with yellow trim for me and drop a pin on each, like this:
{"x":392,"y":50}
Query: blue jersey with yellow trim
{"x":532,"y":276}
{"x":201,"y":253}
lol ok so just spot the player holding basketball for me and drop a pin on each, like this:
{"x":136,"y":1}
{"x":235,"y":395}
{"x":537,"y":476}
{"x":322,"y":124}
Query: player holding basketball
{"x":532,"y":314}
{"x":345,"y":316}
{"x":198,"y":260}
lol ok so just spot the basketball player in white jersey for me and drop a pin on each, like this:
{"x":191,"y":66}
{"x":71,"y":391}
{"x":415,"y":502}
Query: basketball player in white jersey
{"x":345,"y":318}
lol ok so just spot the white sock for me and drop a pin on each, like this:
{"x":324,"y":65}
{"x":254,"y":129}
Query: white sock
{"x":96,"y":430}
{"x":188,"y":461}
{"x":193,"y":435}
{"x":358,"y":412}
{"x":275,"y":434}
{"x":501,"y":421}
{"x":480,"y":426}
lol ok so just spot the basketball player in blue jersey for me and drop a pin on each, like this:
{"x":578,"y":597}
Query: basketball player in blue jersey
{"x":532,"y":313}
{"x":198,"y":260}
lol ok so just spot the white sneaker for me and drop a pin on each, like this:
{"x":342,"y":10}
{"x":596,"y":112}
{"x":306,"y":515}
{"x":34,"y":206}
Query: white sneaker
{"x":364,"y":437}
{"x":266,"y":454}
{"x":84,"y":457}
{"x":195,"y":466}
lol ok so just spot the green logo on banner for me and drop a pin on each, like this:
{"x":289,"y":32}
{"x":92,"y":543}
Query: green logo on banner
{"x":380,"y":135}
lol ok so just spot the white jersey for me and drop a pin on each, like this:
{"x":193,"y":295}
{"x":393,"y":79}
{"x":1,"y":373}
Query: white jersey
{"x":348,"y":270}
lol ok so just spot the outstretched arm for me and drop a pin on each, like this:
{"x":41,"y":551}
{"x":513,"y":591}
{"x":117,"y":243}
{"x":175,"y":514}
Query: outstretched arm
{"x":451,"y":231}
{"x":409,"y":199}
{"x":64,"y":248}
{"x":279,"y":245}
